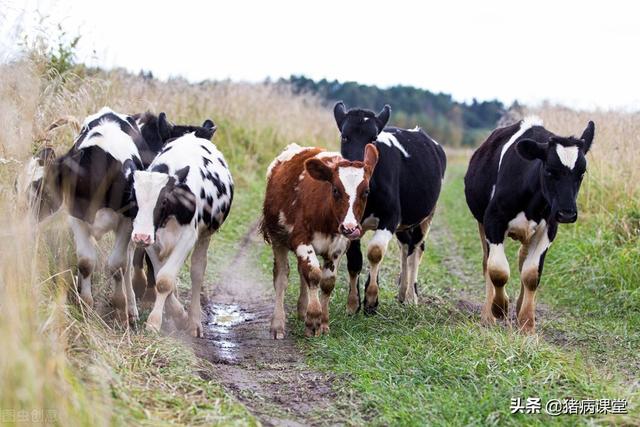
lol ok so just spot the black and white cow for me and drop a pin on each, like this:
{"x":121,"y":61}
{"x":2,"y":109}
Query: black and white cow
{"x":93,"y":180}
{"x":522,"y":182}
{"x":404,"y":190}
{"x":182,"y":198}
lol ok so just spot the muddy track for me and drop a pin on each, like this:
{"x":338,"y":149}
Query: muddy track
{"x":269,"y":377}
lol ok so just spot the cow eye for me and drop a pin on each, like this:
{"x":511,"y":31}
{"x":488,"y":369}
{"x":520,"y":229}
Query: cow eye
{"x":365,"y":193}
{"x":336,"y":192}
{"x":345,"y":139}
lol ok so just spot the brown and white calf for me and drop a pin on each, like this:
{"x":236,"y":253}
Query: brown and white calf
{"x":313,"y":206}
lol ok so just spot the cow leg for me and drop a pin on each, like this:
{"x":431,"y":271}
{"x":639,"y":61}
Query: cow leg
{"x":530,"y":278}
{"x":166,"y":276}
{"x":86,"y":254}
{"x":496,"y":272}
{"x":303,"y":298}
{"x":280,"y":282}
{"x":176,"y":310}
{"x":139,"y":280}
{"x":327,"y":283}
{"x":198,"y":267}
{"x":354,"y":266}
{"x":309,"y":265}
{"x":132,"y":307}
{"x":375,"y":254}
{"x":418,"y":236}
{"x":404,"y":240}
{"x":522,"y":255}
{"x":118,"y":270}
{"x":149,"y":296}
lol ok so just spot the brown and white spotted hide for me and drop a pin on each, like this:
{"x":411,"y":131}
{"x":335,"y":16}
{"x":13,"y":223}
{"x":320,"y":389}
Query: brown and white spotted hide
{"x":313,"y":206}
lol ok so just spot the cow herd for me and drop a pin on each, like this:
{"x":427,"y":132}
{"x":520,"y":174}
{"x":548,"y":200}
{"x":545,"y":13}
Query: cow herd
{"x":164,"y":189}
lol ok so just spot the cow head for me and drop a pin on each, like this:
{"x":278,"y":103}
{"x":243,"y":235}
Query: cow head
{"x":160,"y":196}
{"x":349,"y":188}
{"x":563,"y":166}
{"x":358,"y":128}
{"x":157,"y":130}
{"x":40,"y":181}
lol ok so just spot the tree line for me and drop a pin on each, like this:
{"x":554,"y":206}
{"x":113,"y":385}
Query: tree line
{"x":448,"y":121}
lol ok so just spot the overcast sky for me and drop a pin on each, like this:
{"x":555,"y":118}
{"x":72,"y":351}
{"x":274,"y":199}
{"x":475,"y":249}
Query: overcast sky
{"x":584,"y":54}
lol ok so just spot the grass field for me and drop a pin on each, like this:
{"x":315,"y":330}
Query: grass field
{"x":430,"y":364}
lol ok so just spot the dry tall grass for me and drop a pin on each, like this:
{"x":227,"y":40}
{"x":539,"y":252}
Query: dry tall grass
{"x":613,"y":177}
{"x":58,"y":363}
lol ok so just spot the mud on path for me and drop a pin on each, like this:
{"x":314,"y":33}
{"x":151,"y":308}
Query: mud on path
{"x":269,"y":377}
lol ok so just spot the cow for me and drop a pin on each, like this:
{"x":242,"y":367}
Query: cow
{"x":404,"y":190}
{"x":92,"y":180}
{"x":522,"y":182}
{"x":182,"y":198}
{"x":313,"y":206}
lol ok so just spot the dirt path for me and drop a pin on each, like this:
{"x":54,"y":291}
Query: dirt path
{"x":270,"y":377}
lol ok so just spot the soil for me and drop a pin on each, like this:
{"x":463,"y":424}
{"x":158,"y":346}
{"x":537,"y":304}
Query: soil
{"x":269,"y":377}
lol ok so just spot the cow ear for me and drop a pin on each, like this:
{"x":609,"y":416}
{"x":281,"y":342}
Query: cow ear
{"x":164,"y":127}
{"x":370,"y":157}
{"x":383,"y":117}
{"x":181,"y":174}
{"x":210,"y":128}
{"x":587,"y":136}
{"x":531,"y":149}
{"x":340,"y":113}
{"x":128,"y":168}
{"x":318,"y":170}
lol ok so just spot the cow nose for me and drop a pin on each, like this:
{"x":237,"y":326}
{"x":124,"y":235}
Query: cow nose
{"x":141,"y":239}
{"x":567,"y":216}
{"x":352,"y":231}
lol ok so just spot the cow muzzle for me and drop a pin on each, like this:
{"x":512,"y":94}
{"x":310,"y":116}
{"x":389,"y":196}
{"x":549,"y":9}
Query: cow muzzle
{"x":566,"y":216}
{"x":350,"y":231}
{"x":141,"y":240}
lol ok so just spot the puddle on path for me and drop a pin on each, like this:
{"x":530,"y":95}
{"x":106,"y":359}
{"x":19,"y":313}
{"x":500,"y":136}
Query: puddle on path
{"x":221,"y":318}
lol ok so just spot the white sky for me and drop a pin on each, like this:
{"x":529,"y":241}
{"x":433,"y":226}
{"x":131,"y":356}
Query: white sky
{"x":580,"y":53}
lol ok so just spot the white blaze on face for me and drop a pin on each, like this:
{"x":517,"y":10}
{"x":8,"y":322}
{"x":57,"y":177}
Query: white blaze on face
{"x":568,"y":155}
{"x":147,"y":186}
{"x":351,"y":178}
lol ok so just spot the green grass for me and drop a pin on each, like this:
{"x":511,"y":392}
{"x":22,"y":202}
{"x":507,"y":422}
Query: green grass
{"x":433,"y":364}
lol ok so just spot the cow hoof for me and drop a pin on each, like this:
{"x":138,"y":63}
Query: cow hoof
{"x":487,"y":319}
{"x":527,"y":326}
{"x":195,"y":329}
{"x":153,"y":328}
{"x":370,"y":310}
{"x":148,"y":299}
{"x":277,"y":329}
{"x":412,"y":300}
{"x":324,"y":329}
{"x":500,"y":309}
{"x":87,"y":300}
{"x":312,"y":324}
{"x":353,"y":306}
{"x":133,"y":317}
{"x":154,"y":323}
{"x":121,"y":317}
{"x":302,"y":313}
